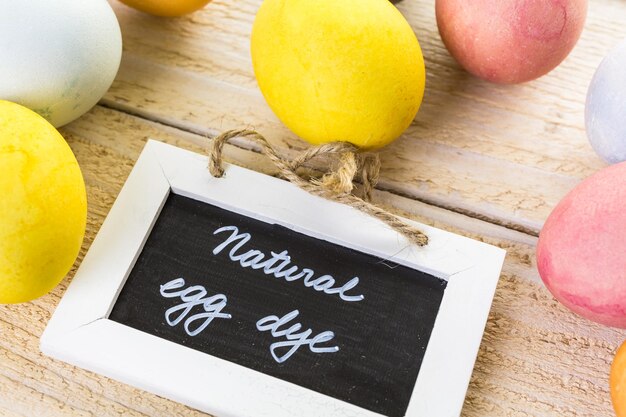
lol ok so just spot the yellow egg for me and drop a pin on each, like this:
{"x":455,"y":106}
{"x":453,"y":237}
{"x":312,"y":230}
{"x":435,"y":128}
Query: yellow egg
{"x":168,"y":8}
{"x":43,"y":205}
{"x":347,"y":70}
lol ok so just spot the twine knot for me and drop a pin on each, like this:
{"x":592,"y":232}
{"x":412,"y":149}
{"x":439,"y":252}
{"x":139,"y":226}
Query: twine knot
{"x":336,"y":185}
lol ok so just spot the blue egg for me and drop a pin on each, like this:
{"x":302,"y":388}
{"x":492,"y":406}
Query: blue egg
{"x":605,"y":110}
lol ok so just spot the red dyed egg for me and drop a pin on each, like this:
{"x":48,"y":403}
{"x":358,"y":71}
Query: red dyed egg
{"x":510,"y":41}
{"x":581,"y":254}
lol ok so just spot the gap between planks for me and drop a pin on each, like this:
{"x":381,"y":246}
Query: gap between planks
{"x":248,"y":146}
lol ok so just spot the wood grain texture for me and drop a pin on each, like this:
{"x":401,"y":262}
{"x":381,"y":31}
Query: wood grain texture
{"x":537,"y":359}
{"x":477,"y":157}
{"x":502,"y":153}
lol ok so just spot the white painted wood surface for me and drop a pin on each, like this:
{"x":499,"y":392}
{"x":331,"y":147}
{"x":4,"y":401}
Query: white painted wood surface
{"x":536,"y":358}
{"x":483,"y":160}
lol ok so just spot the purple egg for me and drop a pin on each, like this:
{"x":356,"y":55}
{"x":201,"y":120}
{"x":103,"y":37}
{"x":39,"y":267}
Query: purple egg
{"x":605,"y":110}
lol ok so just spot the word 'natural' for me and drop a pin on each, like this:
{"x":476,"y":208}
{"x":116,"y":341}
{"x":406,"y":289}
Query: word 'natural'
{"x":277,"y":265}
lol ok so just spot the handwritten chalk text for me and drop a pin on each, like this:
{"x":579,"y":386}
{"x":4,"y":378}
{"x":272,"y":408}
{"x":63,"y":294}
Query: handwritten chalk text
{"x":276,"y":265}
{"x":294,"y":339}
{"x":191,"y":297}
{"x":197,"y":296}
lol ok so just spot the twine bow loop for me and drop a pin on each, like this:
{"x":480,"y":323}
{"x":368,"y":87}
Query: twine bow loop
{"x":336,"y":185}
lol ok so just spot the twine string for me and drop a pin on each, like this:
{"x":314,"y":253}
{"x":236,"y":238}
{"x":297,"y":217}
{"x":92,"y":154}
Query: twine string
{"x":336,"y":185}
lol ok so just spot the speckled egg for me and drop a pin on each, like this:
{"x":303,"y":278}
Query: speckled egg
{"x":58,"y":57}
{"x":605,"y":110}
{"x":581,"y":254}
{"x":510,"y":41}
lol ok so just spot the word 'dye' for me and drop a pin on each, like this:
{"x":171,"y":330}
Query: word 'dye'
{"x":192,"y":297}
{"x":294,"y":340}
{"x":197,"y":296}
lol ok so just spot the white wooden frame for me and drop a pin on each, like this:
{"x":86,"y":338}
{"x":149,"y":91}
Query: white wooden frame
{"x":80,"y":333}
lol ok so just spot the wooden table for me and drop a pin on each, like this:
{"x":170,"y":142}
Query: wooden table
{"x":482,"y":160}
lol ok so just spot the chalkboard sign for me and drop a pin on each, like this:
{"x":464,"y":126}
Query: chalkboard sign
{"x":245,"y":295}
{"x":216,"y":281}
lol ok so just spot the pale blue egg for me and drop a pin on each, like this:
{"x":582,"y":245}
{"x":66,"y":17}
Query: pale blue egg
{"x":605,"y":110}
{"x":58,"y":57}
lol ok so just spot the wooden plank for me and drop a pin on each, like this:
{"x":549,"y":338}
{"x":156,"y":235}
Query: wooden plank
{"x":502,"y":153}
{"x":536,"y":358}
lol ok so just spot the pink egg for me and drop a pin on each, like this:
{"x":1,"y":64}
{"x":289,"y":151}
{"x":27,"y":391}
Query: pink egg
{"x":510,"y":41}
{"x":581,"y":254}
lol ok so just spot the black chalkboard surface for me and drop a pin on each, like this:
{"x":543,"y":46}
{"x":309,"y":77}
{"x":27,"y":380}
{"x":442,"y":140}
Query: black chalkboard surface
{"x":239,"y":294}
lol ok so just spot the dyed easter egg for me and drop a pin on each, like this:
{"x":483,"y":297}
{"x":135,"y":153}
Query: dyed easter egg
{"x":605,"y":110}
{"x":168,"y":8}
{"x":43,"y":208}
{"x":338,"y":70}
{"x":581,"y":250}
{"x":58,"y":57}
{"x":617,"y":381}
{"x":510,"y":41}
